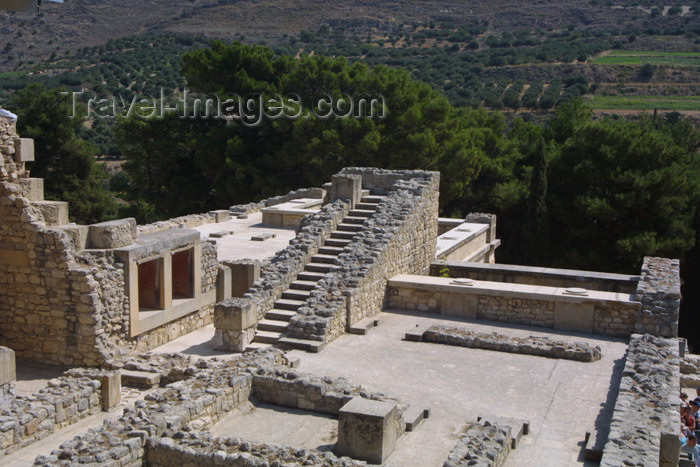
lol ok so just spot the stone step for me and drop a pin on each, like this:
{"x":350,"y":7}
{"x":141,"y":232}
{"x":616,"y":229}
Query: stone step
{"x":343,"y":235}
{"x":286,"y":304}
{"x":325,"y":259}
{"x":331,"y":250}
{"x":364,"y":192}
{"x":354,"y":220}
{"x":518,"y":427}
{"x":310,"y":276}
{"x":301,"y":344}
{"x":349,"y":227}
{"x":293,"y":294}
{"x":595,"y":443}
{"x":273,"y":325}
{"x":257,"y":346}
{"x":303,"y":285}
{"x":320,"y":267}
{"x":363,"y":326}
{"x":337,"y":242}
{"x":280,"y":315}
{"x":374,"y":199}
{"x":267,"y":337}
{"x":365,"y":207}
{"x":362,"y":212}
{"x":53,"y":212}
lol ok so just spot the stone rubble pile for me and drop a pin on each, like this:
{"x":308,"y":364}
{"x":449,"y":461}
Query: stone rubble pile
{"x":532,"y":345}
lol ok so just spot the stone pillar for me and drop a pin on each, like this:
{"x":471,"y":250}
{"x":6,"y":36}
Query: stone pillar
{"x":111,"y":389}
{"x":368,"y":429}
{"x":235,"y":320}
{"x":659,"y":290}
{"x":8,"y":375}
{"x":223,"y":283}
{"x":347,"y":187}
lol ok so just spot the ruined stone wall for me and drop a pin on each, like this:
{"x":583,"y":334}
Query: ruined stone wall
{"x":50,"y":300}
{"x":399,"y":238}
{"x":516,"y":310}
{"x":659,"y":290}
{"x":645,"y":423}
{"x":63,"y":402}
{"x":614,"y":319}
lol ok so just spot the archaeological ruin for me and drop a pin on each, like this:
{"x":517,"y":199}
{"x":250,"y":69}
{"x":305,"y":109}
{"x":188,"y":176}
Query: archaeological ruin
{"x":339,"y":325}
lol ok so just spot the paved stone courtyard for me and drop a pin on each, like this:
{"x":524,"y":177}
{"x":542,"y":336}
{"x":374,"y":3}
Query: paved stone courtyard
{"x":561,"y":398}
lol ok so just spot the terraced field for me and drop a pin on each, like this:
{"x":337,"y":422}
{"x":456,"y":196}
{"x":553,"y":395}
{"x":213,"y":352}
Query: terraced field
{"x":625,"y":57}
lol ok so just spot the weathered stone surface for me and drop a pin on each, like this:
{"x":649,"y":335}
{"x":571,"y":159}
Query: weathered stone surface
{"x":111,"y":389}
{"x":112,"y":234}
{"x":659,"y":290}
{"x":647,"y":407}
{"x":482,"y":444}
{"x":540,"y":346}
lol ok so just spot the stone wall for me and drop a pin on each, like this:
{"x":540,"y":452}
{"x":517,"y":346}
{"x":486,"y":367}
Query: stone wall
{"x":551,"y":277}
{"x":606,"y":313}
{"x":202,"y":449}
{"x":399,"y":237}
{"x":482,"y":444}
{"x":63,"y":402}
{"x":659,"y":290}
{"x":540,"y":346}
{"x":645,"y":423}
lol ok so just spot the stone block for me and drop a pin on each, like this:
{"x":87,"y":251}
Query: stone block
{"x":8,"y":371}
{"x":53,"y":212}
{"x":112,"y":234}
{"x":243,"y":276}
{"x":24,"y":150}
{"x":142,"y":379}
{"x":14,"y":258}
{"x":111,"y":389}
{"x":368,"y":429}
{"x":348,"y":187}
{"x":669,"y":448}
{"x":33,"y":188}
{"x":595,"y":443}
{"x":221,"y":215}
{"x":574,"y":316}
{"x":235,"y":314}
{"x":518,"y":427}
{"x":263,"y":237}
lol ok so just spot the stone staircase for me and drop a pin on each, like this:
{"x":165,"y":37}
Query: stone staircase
{"x":276,"y":321}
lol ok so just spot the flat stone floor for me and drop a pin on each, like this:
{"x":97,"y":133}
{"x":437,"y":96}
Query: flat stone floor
{"x":561,"y":398}
{"x":239,"y":245}
{"x":266,"y":423}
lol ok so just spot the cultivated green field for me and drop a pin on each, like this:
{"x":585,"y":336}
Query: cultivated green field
{"x":622,"y":57}
{"x":691,"y":103}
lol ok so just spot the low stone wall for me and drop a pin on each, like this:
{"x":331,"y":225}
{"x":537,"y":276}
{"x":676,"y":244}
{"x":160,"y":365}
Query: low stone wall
{"x":645,"y":423}
{"x":62,"y":403}
{"x":290,"y":388}
{"x":399,"y":237}
{"x":540,"y":346}
{"x":551,"y":277}
{"x":659,"y":290}
{"x":203,"y":449}
{"x":282,"y":269}
{"x":482,"y":444}
{"x":690,"y":371}
{"x":597,"y":312}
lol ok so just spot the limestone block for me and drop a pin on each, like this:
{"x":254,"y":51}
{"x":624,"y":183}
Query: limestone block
{"x":221,"y":215}
{"x":367,"y":429}
{"x":112,"y":234}
{"x":111,"y":390}
{"x":14,"y":258}
{"x":347,"y":186}
{"x":235,"y":314}
{"x":53,"y":212}
{"x":34,"y":188}
{"x":24,"y":150}
{"x":7,"y":365}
